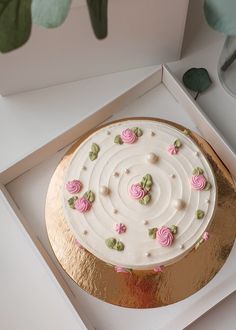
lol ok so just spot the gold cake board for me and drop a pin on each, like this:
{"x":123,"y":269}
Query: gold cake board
{"x":144,"y":289}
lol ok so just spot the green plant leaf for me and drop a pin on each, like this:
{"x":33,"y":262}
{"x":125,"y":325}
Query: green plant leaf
{"x":98,"y":17}
{"x":220,"y":15}
{"x":50,"y":13}
{"x":173,"y":229}
{"x":145,"y":200}
{"x":15,"y":24}
{"x":197,"y":80}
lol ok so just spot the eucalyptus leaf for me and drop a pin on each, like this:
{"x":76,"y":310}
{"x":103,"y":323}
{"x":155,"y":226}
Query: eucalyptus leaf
{"x":119,"y":246}
{"x":220,"y":15}
{"x":145,"y":200}
{"x":71,"y":201}
{"x":50,"y":13}
{"x":197,"y":80}
{"x":89,"y":195}
{"x":173,"y":229}
{"x":177,"y":143}
{"x":98,"y":17}
{"x":15,"y":24}
{"x":198,"y":171}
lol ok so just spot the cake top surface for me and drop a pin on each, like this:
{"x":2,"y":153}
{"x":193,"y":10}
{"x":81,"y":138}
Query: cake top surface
{"x":139,"y":194}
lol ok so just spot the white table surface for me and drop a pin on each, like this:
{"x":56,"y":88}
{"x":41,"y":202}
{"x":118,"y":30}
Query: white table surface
{"x":29,"y":118}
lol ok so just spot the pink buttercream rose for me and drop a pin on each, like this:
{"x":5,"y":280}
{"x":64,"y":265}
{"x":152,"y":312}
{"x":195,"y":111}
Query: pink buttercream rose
{"x":164,"y":236}
{"x":128,"y":136}
{"x":158,"y":269}
{"x":120,"y":228}
{"x":120,"y":269}
{"x":172,"y":150}
{"x":198,"y":182}
{"x":136,"y":191}
{"x":73,"y":186}
{"x":205,"y":236}
{"x":82,"y":205}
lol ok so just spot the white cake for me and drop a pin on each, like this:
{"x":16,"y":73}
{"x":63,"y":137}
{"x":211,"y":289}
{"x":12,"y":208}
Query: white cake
{"x":150,"y":194}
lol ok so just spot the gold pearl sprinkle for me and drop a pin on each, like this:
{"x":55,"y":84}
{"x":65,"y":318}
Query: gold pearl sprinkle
{"x":85,"y":232}
{"x":115,"y":211}
{"x":172,"y":176}
{"x":127,"y":171}
{"x":116,"y":174}
{"x":181,"y":246}
{"x":196,"y":153}
{"x":153,"y":133}
{"x":145,"y":222}
{"x":84,"y":168}
{"x":208,"y":201}
{"x":108,"y":133}
{"x":148,"y":254}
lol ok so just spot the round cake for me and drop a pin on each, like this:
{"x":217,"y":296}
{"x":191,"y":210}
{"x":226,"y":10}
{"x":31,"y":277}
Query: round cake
{"x":139,"y":194}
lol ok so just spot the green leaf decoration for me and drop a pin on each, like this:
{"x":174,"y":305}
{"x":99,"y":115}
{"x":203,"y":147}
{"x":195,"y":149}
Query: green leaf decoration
{"x":145,"y":200}
{"x":173,"y":229}
{"x":50,"y":13}
{"x":197,"y":80}
{"x":119,"y":246}
{"x":186,"y":132}
{"x":152,"y":232}
{"x":71,"y":201}
{"x":199,"y":214}
{"x":118,"y":139}
{"x":197,"y":171}
{"x":95,"y":148}
{"x":15,"y":24}
{"x":177,"y":143}
{"x":146,"y":182}
{"x":98,"y":17}
{"x":220,"y":15}
{"x":110,"y":242}
{"x":207,"y":186}
{"x":137,"y":131}
{"x":92,"y":155}
{"x":89,"y":195}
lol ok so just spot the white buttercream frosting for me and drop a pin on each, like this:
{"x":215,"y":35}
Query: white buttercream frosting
{"x":117,"y":167}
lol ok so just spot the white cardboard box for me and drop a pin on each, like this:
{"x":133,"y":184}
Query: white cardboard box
{"x":158,"y":95}
{"x":141,"y":32}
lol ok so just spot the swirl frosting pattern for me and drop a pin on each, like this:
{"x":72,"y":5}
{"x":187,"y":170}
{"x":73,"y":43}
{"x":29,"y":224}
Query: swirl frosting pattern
{"x":136,"y":191}
{"x":82,"y":205}
{"x":74,"y":186}
{"x":172,"y":177}
{"x":164,"y":236}
{"x":128,"y":136}
{"x":198,"y":182}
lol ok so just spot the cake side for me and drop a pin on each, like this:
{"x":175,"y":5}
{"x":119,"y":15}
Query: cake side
{"x":141,"y":194}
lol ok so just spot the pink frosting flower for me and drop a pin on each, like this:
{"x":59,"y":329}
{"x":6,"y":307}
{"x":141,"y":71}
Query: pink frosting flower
{"x":164,"y":236}
{"x":136,"y":191}
{"x":158,"y":269}
{"x":128,"y":136}
{"x":73,"y":186}
{"x":198,"y":182}
{"x":120,"y":228}
{"x":82,"y":205}
{"x":172,"y":150}
{"x":205,"y":236}
{"x":120,"y":269}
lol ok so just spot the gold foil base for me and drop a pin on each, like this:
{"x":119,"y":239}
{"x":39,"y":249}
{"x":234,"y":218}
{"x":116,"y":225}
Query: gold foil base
{"x":145,"y":289}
